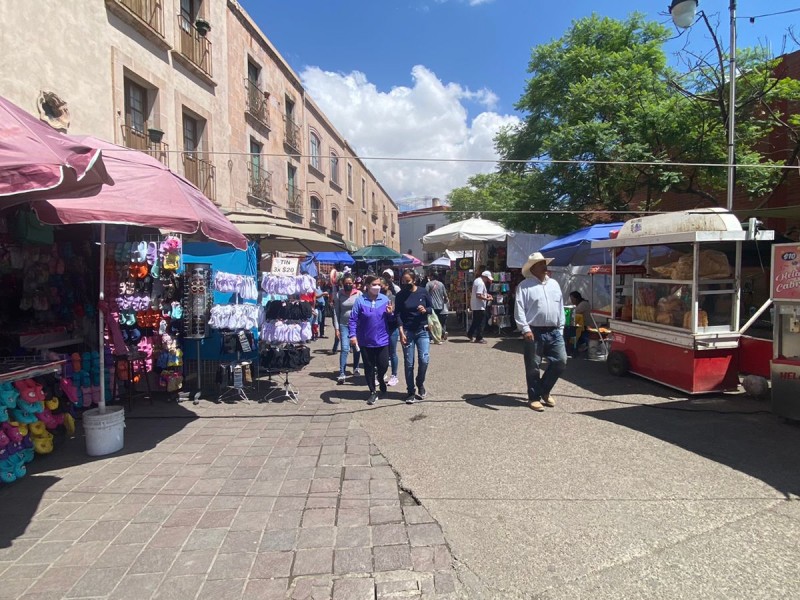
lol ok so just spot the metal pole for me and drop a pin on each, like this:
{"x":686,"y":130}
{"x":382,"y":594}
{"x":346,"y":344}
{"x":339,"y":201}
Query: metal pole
{"x":101,"y":402}
{"x":732,"y":110}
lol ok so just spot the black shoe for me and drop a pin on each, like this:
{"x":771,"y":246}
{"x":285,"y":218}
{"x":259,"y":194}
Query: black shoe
{"x":422,"y":393}
{"x":372,"y":398}
{"x":411,"y":398}
{"x":382,"y":393}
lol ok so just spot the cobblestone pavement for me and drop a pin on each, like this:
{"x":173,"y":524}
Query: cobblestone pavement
{"x":246,"y":500}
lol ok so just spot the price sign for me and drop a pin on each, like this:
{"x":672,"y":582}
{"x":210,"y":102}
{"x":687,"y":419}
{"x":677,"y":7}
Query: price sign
{"x":284,"y":266}
{"x":786,"y":272}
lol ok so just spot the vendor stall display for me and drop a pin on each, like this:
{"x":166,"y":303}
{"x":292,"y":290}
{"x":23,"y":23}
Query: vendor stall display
{"x":683,"y":325}
{"x":502,"y":308}
{"x":785,"y":365}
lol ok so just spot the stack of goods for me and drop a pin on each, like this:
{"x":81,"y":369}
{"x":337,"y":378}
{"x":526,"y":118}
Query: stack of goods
{"x":241,"y":285}
{"x":83,"y":371}
{"x":713,"y":265}
{"x":501,"y":309}
{"x":286,"y":358}
{"x":30,"y":411}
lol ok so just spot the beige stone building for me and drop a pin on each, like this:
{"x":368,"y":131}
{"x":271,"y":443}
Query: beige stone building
{"x":198,"y":85}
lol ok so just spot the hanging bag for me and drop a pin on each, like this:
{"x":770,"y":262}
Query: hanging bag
{"x":434,"y":327}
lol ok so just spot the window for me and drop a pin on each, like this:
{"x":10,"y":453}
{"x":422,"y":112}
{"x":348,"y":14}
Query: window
{"x":335,"y":219}
{"x":291,"y":178}
{"x":430,"y":257}
{"x":253,"y":73}
{"x":363,"y":236}
{"x":363,"y":194}
{"x":188,"y":14}
{"x":314,"y":148}
{"x":351,"y":230}
{"x":255,"y":157}
{"x":429,"y":228}
{"x":334,"y":168}
{"x":135,"y":106}
{"x":289,"y":109}
{"x":349,"y":181}
{"x":191,"y":134}
{"x":316,"y":210}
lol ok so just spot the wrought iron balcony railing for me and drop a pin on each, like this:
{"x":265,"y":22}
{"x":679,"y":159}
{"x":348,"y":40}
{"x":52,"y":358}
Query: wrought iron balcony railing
{"x":201,"y":173}
{"x":150,"y":12}
{"x":195,"y":47}
{"x":295,"y":200}
{"x":292,"y":135}
{"x":137,"y":140}
{"x":257,"y":102}
{"x":259,"y":184}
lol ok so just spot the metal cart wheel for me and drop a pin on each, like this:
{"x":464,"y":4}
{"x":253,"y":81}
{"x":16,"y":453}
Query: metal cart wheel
{"x":617,"y":363}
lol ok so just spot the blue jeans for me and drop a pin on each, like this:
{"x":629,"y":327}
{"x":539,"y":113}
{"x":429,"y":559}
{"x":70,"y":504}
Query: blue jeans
{"x":420,"y":342}
{"x":394,"y":361}
{"x":344,"y":333}
{"x":549,"y":345}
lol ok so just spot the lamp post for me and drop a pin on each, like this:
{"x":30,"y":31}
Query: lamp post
{"x":683,"y":14}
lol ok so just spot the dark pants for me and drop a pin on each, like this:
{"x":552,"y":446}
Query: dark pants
{"x":545,"y":345}
{"x":375,"y":359}
{"x":476,"y":329}
{"x":321,"y":320}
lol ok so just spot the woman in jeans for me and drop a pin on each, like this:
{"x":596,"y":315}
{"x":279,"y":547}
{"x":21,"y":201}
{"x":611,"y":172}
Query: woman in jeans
{"x":387,"y":288}
{"x":343,"y":303}
{"x":370,"y":321}
{"x":412,"y":307}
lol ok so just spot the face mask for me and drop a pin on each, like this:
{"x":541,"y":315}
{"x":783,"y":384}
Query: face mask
{"x":347,"y":288}
{"x":375,"y":289}
{"x":408,"y":286}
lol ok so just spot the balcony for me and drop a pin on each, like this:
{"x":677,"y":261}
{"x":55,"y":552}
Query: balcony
{"x":317,"y":219}
{"x":374,"y":212}
{"x":292,"y":134}
{"x":295,"y":200}
{"x":137,"y":140}
{"x":385,"y":221}
{"x":194,"y":50}
{"x":259,"y":185}
{"x":146,"y":16}
{"x":201,"y":173}
{"x":257,"y":103}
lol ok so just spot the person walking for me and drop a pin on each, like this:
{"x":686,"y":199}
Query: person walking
{"x":389,"y":275}
{"x":413,"y":305}
{"x":478,"y":302}
{"x":321,"y":296}
{"x":343,"y":304}
{"x":438,"y":293}
{"x":370,"y":321}
{"x":394,"y":333}
{"x":539,"y":314}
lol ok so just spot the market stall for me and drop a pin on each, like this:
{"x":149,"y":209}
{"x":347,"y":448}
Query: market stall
{"x":679,"y":324}
{"x":785,"y":365}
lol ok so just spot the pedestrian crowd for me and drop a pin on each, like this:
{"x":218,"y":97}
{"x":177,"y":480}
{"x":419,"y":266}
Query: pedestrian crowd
{"x":372,"y":314}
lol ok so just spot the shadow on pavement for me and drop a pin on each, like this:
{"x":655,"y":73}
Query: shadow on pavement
{"x":513,"y":345}
{"x":144,"y":429}
{"x":493,"y":401}
{"x":593,"y":376}
{"x":756,"y":445}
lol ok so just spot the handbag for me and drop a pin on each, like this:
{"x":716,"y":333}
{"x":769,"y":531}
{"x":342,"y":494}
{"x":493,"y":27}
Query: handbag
{"x":434,"y":327}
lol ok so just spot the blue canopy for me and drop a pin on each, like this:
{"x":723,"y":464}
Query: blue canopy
{"x":576,"y":248}
{"x":331,"y":258}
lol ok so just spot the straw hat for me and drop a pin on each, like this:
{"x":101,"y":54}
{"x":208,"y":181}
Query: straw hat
{"x":534,"y":258}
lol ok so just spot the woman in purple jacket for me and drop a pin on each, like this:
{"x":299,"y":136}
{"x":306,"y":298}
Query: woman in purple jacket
{"x":370,"y":323}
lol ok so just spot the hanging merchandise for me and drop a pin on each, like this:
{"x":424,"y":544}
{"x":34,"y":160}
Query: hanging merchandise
{"x":242,"y":285}
{"x":197,"y":300}
{"x":288,"y":285}
{"x":287,"y":321}
{"x":235,"y":316}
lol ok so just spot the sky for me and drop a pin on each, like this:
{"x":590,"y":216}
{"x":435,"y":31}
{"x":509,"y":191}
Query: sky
{"x":438,"y":78}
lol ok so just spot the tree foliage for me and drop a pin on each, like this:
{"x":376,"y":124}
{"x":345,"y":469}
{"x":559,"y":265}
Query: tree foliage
{"x":603,"y":93}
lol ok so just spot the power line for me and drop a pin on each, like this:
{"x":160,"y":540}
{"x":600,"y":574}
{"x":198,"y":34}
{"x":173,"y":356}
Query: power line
{"x":783,"y":12}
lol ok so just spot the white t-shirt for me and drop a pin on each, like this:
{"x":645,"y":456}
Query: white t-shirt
{"x":478,"y":288}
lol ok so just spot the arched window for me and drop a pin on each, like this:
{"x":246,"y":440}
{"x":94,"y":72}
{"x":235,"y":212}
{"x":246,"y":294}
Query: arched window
{"x":316,"y":210}
{"x":335,"y":220}
{"x":314,"y":149}
{"x":334,"y":168}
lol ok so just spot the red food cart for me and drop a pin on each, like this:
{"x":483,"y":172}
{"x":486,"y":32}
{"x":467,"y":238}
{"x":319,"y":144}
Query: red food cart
{"x":785,"y":366}
{"x":681,"y":327}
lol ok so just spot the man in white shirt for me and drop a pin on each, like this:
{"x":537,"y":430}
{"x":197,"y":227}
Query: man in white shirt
{"x":477,"y":303}
{"x":539,"y":314}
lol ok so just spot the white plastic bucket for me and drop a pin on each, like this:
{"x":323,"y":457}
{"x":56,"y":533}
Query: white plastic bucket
{"x":597,"y":350}
{"x":105,"y":432}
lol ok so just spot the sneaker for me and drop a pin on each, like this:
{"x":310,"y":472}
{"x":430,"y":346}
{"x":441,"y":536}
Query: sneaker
{"x":481,"y":341}
{"x":356,"y":373}
{"x":548,"y":400}
{"x":536,"y":405}
{"x":385,"y":378}
{"x":444,"y":335}
{"x":469,"y":338}
{"x":341,"y":378}
{"x":392,"y":381}
{"x":411,"y":398}
{"x":372,"y":398}
{"x":382,"y":393}
{"x":422,"y":393}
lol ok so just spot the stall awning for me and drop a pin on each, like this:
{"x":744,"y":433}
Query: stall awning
{"x":782,"y":212}
{"x":281,"y":235}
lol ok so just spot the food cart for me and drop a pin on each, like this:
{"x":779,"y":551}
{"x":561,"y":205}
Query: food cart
{"x":679,"y":324}
{"x":785,"y":365}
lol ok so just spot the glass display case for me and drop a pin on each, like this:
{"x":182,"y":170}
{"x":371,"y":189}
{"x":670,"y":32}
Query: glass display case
{"x":669,"y":303}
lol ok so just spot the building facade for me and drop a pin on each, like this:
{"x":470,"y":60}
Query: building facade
{"x":198,"y":85}
{"x":414,"y":224}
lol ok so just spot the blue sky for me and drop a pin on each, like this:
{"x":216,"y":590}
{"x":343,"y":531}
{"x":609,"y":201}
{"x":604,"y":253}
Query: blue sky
{"x":470,"y":58}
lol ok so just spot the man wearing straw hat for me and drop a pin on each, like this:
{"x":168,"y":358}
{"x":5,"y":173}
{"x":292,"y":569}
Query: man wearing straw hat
{"x":539,"y":314}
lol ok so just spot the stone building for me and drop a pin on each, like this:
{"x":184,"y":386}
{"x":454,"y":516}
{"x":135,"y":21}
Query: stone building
{"x":197,"y":84}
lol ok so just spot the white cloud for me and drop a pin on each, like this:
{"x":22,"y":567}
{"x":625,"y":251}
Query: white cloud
{"x":427,"y":120}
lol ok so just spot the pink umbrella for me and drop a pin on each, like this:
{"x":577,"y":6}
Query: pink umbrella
{"x":34,"y":157}
{"x":415,"y":262}
{"x":145,"y":193}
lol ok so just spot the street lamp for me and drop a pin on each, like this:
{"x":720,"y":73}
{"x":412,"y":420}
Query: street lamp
{"x":683,"y":14}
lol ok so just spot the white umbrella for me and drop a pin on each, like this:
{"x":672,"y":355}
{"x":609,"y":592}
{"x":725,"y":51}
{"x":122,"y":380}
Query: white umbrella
{"x":443,"y":262}
{"x":465,"y":235}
